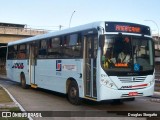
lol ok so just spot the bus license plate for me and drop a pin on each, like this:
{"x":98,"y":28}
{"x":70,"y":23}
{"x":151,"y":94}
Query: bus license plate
{"x":133,"y":93}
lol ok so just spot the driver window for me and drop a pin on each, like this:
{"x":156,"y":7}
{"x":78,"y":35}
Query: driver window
{"x":116,"y":51}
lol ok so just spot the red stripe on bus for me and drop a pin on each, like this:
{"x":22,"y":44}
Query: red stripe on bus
{"x":142,"y":85}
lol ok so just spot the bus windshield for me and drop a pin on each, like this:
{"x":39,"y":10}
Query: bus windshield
{"x":126,"y":53}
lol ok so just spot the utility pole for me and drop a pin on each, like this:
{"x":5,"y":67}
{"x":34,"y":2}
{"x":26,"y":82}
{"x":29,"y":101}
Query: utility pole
{"x":60,"y":27}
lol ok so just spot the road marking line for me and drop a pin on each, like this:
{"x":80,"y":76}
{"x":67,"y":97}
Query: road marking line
{"x":21,"y":108}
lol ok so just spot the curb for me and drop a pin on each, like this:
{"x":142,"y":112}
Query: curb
{"x":21,"y":108}
{"x":3,"y":76}
{"x":157,"y":93}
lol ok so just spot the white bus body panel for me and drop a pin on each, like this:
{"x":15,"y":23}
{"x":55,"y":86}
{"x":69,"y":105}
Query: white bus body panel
{"x":107,"y":93}
{"x":46,"y":75}
{"x":13,"y":68}
{"x":49,"y":78}
{"x":121,"y":89}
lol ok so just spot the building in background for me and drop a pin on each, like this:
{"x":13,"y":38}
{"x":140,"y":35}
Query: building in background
{"x":157,"y":41}
{"x":12,"y":32}
{"x":157,"y":55}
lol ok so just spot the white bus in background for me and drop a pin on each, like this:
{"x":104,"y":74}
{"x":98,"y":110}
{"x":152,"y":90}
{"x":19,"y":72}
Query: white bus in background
{"x":97,"y":61}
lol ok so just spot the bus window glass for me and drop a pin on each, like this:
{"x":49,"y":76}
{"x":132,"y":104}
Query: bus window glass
{"x":27,"y":51}
{"x":54,"y":42}
{"x":15,"y":51}
{"x":66,"y":40}
{"x":73,"y":48}
{"x":143,"y":53}
{"x":95,"y":46}
{"x":54,"y":48}
{"x":73,"y":39}
{"x":22,"y":52}
{"x":127,"y":53}
{"x":42,"y":49}
{"x":11,"y":52}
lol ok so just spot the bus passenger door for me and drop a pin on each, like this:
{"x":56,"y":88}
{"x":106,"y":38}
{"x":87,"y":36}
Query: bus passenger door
{"x":32,"y":63}
{"x":89,"y":66}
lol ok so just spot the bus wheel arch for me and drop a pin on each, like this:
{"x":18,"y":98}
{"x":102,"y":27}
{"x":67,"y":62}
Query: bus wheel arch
{"x":72,"y":91}
{"x":23,"y":80}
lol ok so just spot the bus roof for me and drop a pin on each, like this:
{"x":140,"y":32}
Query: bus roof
{"x":69,"y":30}
{"x":57,"y":33}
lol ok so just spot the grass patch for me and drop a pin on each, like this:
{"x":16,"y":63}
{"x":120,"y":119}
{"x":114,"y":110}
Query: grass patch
{"x":12,"y":109}
{"x":15,"y":118}
{"x":4,"y":97}
{"x":4,"y":100}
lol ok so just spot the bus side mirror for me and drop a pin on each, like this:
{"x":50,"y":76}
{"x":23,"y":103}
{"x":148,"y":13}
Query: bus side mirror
{"x":101,"y":40}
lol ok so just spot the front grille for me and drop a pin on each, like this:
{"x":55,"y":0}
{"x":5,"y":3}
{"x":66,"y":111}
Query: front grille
{"x":132,"y":79}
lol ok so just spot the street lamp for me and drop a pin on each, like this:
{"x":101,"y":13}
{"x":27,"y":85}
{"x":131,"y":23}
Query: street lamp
{"x":71,"y":18}
{"x":157,"y":29}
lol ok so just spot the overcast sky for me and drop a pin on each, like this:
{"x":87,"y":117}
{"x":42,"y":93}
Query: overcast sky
{"x":51,"y":13}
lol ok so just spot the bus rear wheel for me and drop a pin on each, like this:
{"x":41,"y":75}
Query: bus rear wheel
{"x":23,"y":82}
{"x":73,"y":93}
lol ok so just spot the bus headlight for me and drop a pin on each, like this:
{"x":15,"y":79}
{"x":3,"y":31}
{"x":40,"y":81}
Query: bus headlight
{"x":152,"y":81}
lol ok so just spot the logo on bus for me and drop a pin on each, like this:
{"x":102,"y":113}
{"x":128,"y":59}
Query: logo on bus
{"x":58,"y":65}
{"x":134,"y":86}
{"x":125,"y":87}
{"x":18,"y":66}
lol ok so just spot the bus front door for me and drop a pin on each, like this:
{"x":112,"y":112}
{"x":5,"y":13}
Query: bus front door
{"x":89,"y":66}
{"x":32,"y":64}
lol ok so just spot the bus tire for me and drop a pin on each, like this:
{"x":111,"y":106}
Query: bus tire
{"x":73,"y":93}
{"x":23,"y":82}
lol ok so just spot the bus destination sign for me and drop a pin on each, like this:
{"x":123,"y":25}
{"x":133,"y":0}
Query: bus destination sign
{"x":124,"y":28}
{"x":127,"y":28}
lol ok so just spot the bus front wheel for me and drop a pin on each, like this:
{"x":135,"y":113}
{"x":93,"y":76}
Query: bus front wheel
{"x":73,"y":93}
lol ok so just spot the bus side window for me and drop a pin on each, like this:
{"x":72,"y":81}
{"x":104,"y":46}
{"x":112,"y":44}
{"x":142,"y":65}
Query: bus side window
{"x":65,"y":46}
{"x":54,"y":47}
{"x":95,"y":46}
{"x":42,"y":49}
{"x":11,"y":52}
{"x":72,"y":46}
{"x":22,"y":51}
{"x":27,"y":51}
{"x":15,"y":50}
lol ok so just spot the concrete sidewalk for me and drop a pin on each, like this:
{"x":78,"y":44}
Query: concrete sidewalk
{"x":156,"y":94}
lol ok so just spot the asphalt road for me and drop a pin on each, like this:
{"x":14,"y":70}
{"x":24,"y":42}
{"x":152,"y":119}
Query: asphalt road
{"x":43,"y":100}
